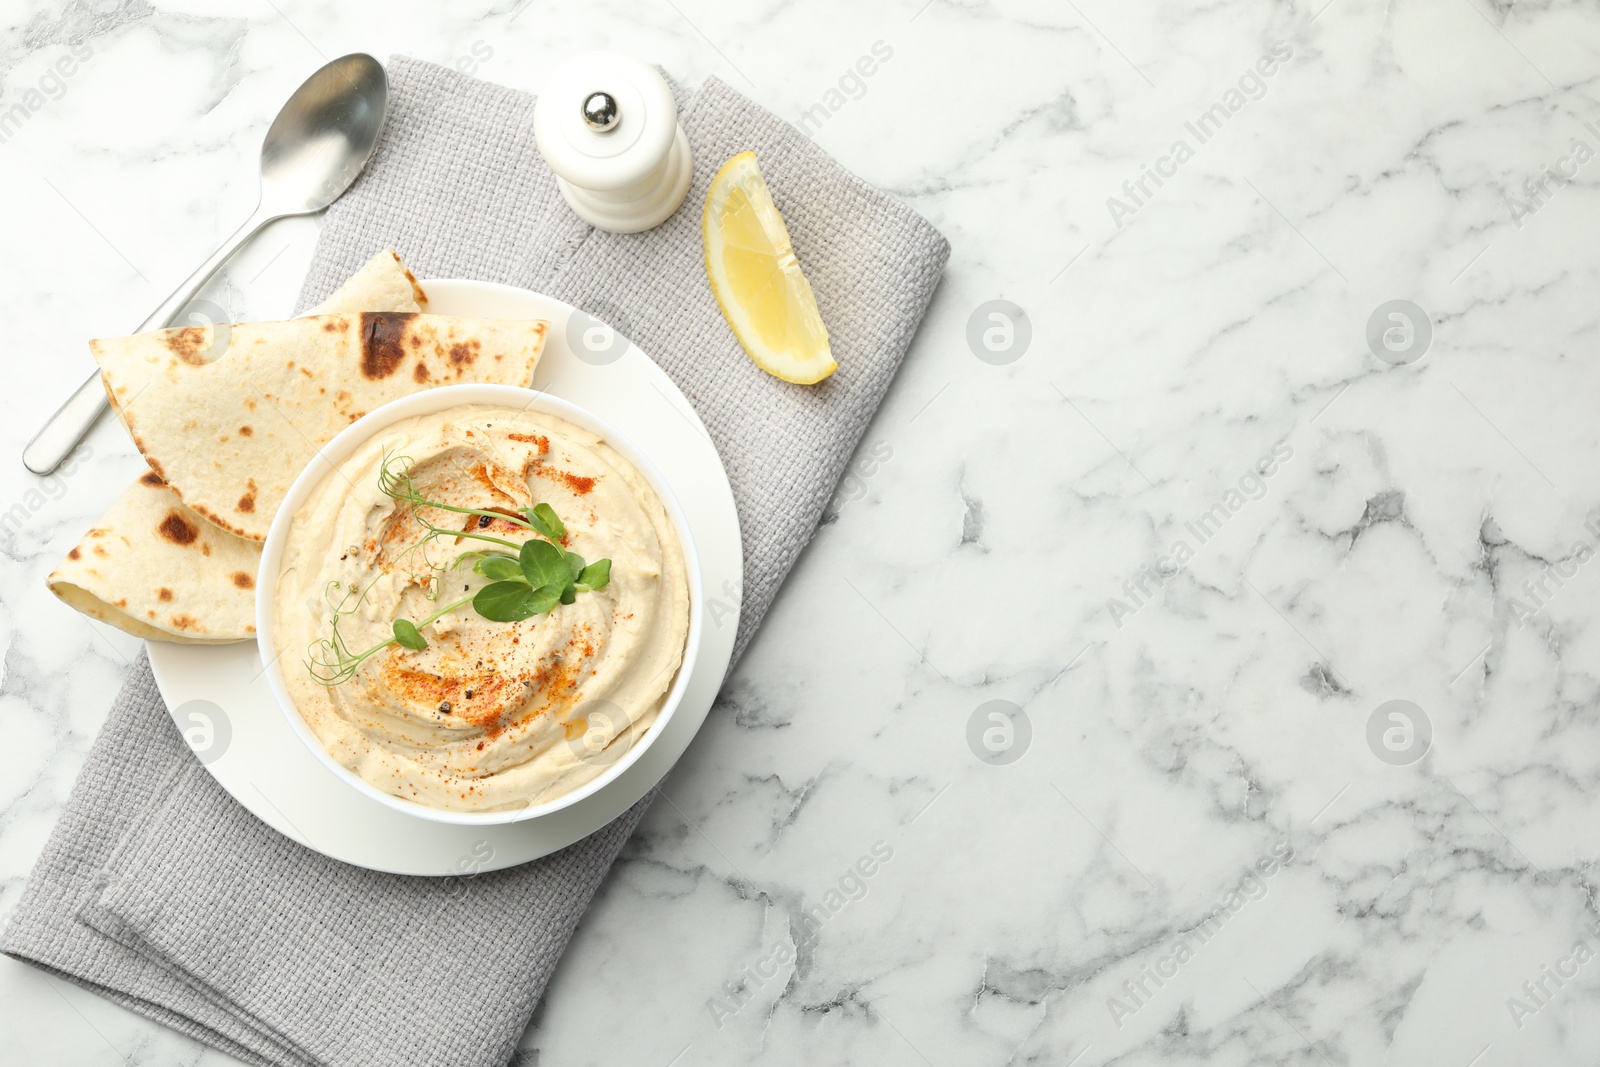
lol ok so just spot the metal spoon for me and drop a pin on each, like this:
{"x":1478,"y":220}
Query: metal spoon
{"x":314,"y":149}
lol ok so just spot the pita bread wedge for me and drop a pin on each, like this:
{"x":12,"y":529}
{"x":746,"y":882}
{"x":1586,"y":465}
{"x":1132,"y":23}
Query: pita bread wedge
{"x":134,"y":569}
{"x":384,"y":284}
{"x":230,"y":433}
{"x":152,"y":567}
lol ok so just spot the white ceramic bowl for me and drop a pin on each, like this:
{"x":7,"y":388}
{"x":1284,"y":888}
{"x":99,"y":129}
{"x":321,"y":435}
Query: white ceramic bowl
{"x":342,"y":448}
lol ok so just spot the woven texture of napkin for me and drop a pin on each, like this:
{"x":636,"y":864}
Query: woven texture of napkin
{"x":160,"y":892}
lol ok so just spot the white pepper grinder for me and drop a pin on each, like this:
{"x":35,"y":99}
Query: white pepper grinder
{"x":608,"y":126}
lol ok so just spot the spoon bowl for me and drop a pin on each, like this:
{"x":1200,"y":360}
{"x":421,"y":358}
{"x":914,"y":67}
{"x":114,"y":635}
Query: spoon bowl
{"x":324,"y":135}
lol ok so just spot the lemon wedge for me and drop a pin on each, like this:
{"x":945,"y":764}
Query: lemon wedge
{"x":763,"y":292}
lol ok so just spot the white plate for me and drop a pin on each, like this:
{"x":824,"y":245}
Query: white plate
{"x":261,"y":762}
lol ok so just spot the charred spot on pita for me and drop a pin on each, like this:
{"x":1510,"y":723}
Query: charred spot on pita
{"x":152,"y":479}
{"x":190,"y":343}
{"x":383,"y":335}
{"x":177,"y":529}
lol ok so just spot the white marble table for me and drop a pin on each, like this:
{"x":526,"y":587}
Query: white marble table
{"x":1076,"y":526}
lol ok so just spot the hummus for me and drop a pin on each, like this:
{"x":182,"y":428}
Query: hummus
{"x":491,"y":715}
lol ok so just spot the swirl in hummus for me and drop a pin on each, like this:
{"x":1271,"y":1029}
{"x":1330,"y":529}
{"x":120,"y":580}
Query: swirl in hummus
{"x":491,"y":715}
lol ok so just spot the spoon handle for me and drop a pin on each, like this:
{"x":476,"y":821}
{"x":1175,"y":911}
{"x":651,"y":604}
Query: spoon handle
{"x":162,"y":316}
{"x":52,"y":444}
{"x":73,"y":419}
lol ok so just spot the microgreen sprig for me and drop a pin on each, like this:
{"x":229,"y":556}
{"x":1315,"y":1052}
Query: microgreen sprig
{"x":530,"y":579}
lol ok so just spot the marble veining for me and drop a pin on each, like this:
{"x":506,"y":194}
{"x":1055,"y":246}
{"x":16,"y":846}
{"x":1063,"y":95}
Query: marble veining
{"x":1073,"y":738}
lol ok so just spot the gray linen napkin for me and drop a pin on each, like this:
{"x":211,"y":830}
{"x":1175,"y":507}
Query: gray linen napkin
{"x":160,"y":892}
